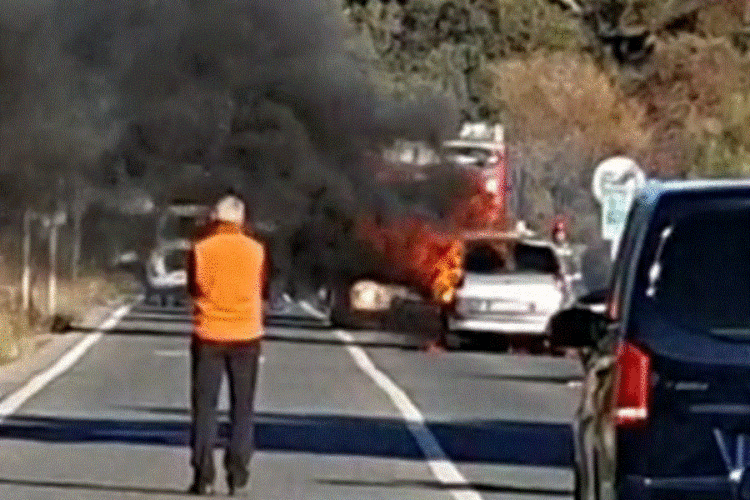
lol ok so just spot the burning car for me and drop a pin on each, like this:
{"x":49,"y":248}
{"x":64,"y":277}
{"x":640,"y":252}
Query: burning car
{"x":511,"y":286}
{"x":368,"y":303}
{"x":420,"y":254}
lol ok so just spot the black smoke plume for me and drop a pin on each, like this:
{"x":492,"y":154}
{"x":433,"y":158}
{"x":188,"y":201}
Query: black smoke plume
{"x":190,"y":97}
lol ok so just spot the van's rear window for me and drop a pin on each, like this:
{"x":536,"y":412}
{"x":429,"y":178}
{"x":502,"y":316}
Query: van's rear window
{"x":700,"y":274}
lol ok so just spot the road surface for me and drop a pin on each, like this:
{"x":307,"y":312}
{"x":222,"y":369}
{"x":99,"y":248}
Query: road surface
{"x":350,"y":415}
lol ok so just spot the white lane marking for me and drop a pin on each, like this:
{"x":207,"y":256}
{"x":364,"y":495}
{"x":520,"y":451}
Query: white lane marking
{"x":442,"y":468}
{"x":13,"y":402}
{"x":310,"y":309}
{"x":166,"y":353}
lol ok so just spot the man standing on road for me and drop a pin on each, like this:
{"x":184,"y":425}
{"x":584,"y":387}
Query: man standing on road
{"x":228,"y":282}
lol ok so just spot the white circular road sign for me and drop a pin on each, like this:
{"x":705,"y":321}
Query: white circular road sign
{"x":616,"y":171}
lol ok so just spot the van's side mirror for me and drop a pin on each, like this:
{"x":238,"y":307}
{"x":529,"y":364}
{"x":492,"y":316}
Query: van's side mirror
{"x":597,"y":297}
{"x":577,"y":327}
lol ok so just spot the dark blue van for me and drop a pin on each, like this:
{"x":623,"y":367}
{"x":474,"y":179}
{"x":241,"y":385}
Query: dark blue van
{"x":665,"y":408}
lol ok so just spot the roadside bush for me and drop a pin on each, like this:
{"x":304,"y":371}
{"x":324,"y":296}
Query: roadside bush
{"x":697,"y":103}
{"x":75,"y":300}
{"x":565,"y":114}
{"x":10,"y":337}
{"x":552,"y":96}
{"x":15,"y":328}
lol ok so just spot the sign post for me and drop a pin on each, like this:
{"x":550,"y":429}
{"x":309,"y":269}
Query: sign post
{"x":616,"y":183}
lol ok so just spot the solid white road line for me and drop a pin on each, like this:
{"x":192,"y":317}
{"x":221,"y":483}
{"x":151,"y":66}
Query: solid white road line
{"x":14,"y":401}
{"x":442,"y":468}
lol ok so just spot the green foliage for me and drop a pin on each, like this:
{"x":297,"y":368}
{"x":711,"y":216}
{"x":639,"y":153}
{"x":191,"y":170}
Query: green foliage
{"x":526,"y":26}
{"x":444,"y":47}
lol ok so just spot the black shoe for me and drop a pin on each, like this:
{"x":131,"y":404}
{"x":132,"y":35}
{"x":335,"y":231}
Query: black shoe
{"x":237,"y":488}
{"x":201,"y":488}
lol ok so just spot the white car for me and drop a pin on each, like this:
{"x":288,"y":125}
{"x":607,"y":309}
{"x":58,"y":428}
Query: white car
{"x":166,"y":273}
{"x":510,"y":287}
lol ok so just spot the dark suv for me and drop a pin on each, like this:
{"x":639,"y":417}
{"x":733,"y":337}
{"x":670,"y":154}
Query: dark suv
{"x":665,"y":407}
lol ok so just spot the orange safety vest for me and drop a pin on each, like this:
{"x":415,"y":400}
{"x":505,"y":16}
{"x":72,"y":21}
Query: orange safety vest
{"x":226,"y":280}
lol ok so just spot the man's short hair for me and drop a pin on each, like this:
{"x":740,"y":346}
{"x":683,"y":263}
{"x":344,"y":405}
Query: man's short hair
{"x":230,"y":209}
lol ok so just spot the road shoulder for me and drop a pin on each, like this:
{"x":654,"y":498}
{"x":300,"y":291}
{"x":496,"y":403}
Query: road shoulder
{"x":48,"y":348}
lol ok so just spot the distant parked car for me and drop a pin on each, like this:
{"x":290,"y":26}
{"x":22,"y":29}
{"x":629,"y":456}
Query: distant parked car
{"x":166,"y":273}
{"x":163,"y":272}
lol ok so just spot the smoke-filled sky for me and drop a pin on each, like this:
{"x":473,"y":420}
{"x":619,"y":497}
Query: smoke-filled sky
{"x":261,"y":94}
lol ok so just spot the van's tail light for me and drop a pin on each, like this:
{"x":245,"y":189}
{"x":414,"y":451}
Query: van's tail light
{"x":632,"y":385}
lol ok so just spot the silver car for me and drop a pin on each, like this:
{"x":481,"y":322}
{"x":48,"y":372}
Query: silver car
{"x":166,"y":273}
{"x":510,"y":287}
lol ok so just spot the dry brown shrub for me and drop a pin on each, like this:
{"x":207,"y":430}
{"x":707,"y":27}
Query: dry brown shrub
{"x":558,"y":95}
{"x":723,"y":19}
{"x":565,"y":113}
{"x":692,"y":102}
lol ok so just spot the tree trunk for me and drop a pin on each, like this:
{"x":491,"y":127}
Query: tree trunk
{"x":52,"y":283}
{"x":78,"y":210}
{"x":26,"y":277}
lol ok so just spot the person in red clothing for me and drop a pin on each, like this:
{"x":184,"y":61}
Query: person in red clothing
{"x":227,"y":280}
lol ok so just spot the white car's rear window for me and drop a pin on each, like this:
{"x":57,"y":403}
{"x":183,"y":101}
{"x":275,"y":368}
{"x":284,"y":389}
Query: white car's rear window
{"x":487,"y":258}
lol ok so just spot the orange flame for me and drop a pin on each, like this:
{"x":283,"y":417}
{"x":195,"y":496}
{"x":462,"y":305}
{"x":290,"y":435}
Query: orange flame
{"x":429,"y":258}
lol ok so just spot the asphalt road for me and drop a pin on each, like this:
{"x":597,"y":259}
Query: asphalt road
{"x":340,"y":415}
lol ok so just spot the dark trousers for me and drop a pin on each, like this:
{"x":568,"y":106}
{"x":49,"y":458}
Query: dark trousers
{"x":209,"y":361}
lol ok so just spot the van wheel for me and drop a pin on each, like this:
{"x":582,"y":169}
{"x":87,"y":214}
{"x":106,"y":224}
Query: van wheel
{"x":539,"y":345}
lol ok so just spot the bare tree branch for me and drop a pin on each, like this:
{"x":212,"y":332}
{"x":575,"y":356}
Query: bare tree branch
{"x":572,"y":5}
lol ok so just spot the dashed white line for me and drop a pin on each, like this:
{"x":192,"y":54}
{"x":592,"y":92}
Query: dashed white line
{"x":13,"y":402}
{"x":438,"y":462}
{"x":171,"y":353}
